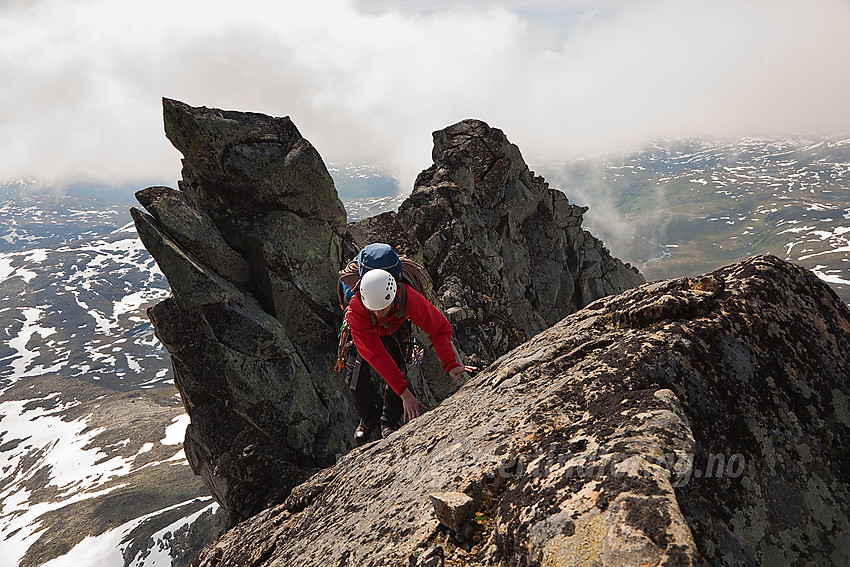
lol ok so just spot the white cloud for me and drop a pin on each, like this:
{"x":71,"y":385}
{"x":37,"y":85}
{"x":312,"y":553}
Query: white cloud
{"x":82,"y":80}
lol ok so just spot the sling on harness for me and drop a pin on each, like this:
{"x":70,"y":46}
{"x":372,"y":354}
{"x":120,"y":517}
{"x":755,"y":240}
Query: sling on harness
{"x":345,"y":341}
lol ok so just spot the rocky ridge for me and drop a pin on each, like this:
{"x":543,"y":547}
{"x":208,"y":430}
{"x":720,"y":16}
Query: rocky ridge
{"x":506,"y":253}
{"x":689,"y":421}
{"x":251,"y":244}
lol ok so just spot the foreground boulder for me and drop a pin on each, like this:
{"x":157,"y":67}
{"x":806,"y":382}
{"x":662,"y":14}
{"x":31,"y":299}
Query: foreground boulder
{"x":251,"y":246}
{"x":683,"y":422}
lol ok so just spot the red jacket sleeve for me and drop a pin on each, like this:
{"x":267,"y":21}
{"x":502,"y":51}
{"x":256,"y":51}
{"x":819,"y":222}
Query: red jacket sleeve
{"x":422,"y":314}
{"x":428,"y":318}
{"x":371,"y":348}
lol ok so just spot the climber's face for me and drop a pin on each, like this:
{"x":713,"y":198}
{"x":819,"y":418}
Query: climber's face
{"x":383,"y":312}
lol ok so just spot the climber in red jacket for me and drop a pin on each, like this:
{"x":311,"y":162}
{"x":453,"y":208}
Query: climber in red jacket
{"x":376,"y":316}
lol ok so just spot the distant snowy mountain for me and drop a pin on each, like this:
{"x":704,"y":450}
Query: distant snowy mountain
{"x":43,"y":220}
{"x":365,"y":190}
{"x":77,"y":312}
{"x":359,"y":209}
{"x":361,"y":181}
{"x":684,"y":207}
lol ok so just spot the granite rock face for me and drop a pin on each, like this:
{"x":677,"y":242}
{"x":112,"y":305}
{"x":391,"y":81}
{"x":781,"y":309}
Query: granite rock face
{"x":251,"y":244}
{"x":685,"y":422}
{"x":506,"y":253}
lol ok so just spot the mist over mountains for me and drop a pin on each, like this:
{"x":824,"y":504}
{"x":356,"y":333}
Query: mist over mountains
{"x":90,"y":424}
{"x":687,"y":206}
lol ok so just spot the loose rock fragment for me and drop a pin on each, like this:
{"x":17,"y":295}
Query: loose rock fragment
{"x":453,"y":509}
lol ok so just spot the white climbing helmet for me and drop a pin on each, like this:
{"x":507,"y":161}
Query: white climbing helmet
{"x":377,"y":289}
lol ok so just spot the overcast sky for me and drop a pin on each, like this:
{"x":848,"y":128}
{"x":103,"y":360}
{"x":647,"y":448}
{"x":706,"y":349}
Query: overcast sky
{"x":81,"y":81}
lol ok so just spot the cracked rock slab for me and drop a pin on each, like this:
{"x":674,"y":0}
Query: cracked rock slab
{"x":656,"y":446}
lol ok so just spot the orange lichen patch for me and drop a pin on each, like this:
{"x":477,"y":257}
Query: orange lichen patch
{"x":702,"y":284}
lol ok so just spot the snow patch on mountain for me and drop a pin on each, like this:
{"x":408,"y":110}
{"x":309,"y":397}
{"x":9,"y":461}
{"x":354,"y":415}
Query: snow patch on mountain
{"x":175,"y":432}
{"x":22,"y":359}
{"x":55,"y":449}
{"x":359,"y":209}
{"x":28,"y":219}
{"x":160,"y":553}
{"x":829,"y":276}
{"x":109,"y":547}
{"x":58,"y":450}
{"x":91,"y":298}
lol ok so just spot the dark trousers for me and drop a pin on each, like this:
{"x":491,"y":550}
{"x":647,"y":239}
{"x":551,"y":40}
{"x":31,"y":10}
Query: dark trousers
{"x":367,"y":401}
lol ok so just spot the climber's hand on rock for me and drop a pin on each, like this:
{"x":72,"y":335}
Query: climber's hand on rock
{"x":412,"y":406}
{"x":458,"y":370}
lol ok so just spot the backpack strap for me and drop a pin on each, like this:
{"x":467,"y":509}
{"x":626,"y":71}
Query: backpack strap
{"x":401,"y":298}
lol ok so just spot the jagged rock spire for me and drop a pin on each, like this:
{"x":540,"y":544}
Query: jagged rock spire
{"x":251,"y":246}
{"x":506,"y":252}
